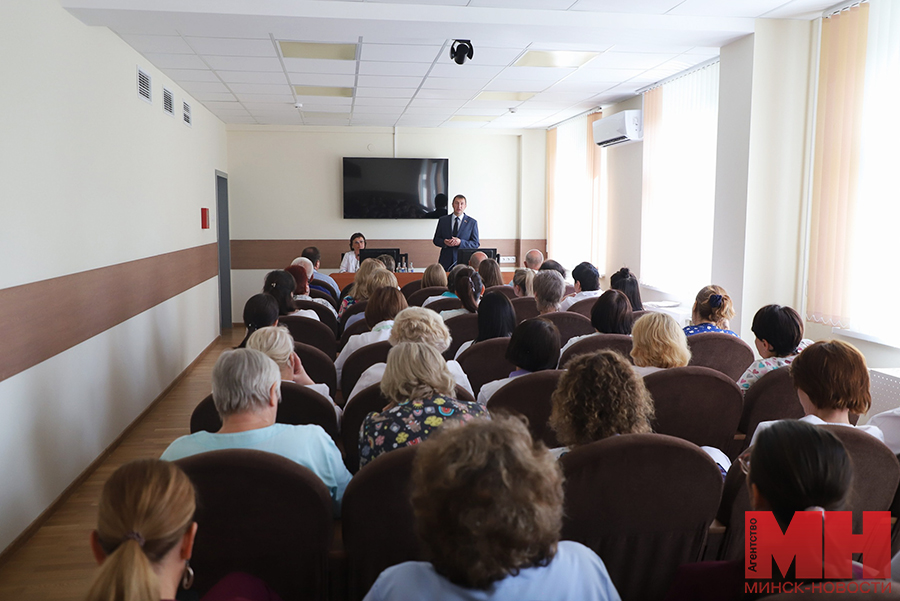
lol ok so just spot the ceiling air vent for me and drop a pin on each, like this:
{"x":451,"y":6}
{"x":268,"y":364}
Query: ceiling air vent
{"x":143,"y":85}
{"x":186,"y":113}
{"x":168,"y":102}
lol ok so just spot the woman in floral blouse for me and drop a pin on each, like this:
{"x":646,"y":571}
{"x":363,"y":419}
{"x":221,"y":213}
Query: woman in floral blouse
{"x":779,"y":339}
{"x":420,"y":390}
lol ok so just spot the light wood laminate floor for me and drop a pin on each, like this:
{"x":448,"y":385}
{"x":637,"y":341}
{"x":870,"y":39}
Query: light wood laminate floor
{"x":56,"y":564}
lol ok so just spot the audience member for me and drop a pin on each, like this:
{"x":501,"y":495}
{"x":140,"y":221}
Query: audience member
{"x":533,"y":259}
{"x":779,"y":337}
{"x":312,"y":253}
{"x":278,"y":345}
{"x":455,"y":272}
{"x":658,"y":343}
{"x":301,"y":290}
{"x":420,"y":391}
{"x":476,"y":259}
{"x":415,"y":324}
{"x":523,"y":282}
{"x":434,"y":276}
{"x":361,"y":287}
{"x":598,"y":396}
{"x":628,"y":283}
{"x":549,"y":289}
{"x":310,"y":270}
{"x":388,"y":262}
{"x":711,"y":312}
{"x":380,"y":278}
{"x":260,"y":311}
{"x":554,"y":266}
{"x":281,"y":285}
{"x":383,"y":306}
{"x":145,"y":537}
{"x":587,"y":285}
{"x":533,"y":346}
{"x":832,"y":381}
{"x":490,"y":273}
{"x":350,"y":262}
{"x":611,"y":314}
{"x":496,"y":319}
{"x":469,"y":290}
{"x":246,"y":388}
{"x":488,"y":505}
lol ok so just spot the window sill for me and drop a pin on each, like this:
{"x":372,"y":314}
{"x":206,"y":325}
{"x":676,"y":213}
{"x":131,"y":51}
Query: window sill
{"x":846,"y":333}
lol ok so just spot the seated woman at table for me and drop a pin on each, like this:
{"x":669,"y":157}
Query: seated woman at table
{"x":361,"y":287}
{"x":711,"y":312}
{"x":281,"y":285}
{"x":658,"y":343}
{"x":496,"y":319}
{"x":533,"y":346}
{"x":469,"y":289}
{"x":779,"y":338}
{"x":420,"y":391}
{"x":350,"y":262}
{"x":434,"y":276}
{"x":611,"y":314}
{"x":488,"y":507}
{"x":383,"y":306}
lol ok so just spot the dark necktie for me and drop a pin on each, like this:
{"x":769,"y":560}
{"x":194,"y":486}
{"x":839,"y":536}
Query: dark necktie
{"x":455,"y":226}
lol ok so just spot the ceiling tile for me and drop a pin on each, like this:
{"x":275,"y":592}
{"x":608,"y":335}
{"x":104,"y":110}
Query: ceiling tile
{"x":181,"y":75}
{"x":708,"y":51}
{"x":248,"y":63}
{"x":610,"y":74}
{"x":399,"y":53}
{"x":214,"y":106}
{"x":332,"y":100}
{"x":438,"y":2}
{"x":204,"y":87}
{"x":629,"y":60}
{"x":448,"y":83}
{"x":256,"y":88}
{"x":232,"y":47}
{"x":383,"y":81}
{"x":645,"y":7}
{"x":482,"y":111}
{"x":374,"y":110}
{"x":386,"y":68}
{"x":546,"y":74}
{"x":517,"y":85}
{"x":445,"y":94}
{"x":381,"y":102}
{"x":324,"y":108}
{"x":252,"y":77}
{"x":451,"y":104}
{"x":494,"y":104}
{"x":367,"y":92}
{"x":732,"y":8}
{"x":389,"y":39}
{"x":495,"y":56}
{"x":467,"y":71}
{"x":431,"y":112}
{"x":269,"y":107}
{"x":320,"y":79}
{"x":175,"y":61}
{"x":287,"y":98}
{"x":238,"y":119}
{"x":214,"y":97}
{"x":164,"y":44}
{"x":319,"y":65}
{"x":652,"y":48}
{"x":523,"y":4}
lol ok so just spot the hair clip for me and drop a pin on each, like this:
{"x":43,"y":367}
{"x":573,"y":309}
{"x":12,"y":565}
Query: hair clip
{"x":715,"y":300}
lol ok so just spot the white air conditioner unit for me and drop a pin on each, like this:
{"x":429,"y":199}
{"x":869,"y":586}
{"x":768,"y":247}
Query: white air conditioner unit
{"x":626,"y":126}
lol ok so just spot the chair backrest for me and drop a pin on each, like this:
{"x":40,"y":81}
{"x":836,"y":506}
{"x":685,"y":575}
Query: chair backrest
{"x":299,"y":406}
{"x":507,"y":291}
{"x":655,"y":523}
{"x":377,"y":520}
{"x":529,"y":395}
{"x":445,"y":304}
{"x":262,"y":514}
{"x":332,"y":291}
{"x":311,"y":332}
{"x":584,"y":306}
{"x":698,"y":404}
{"x":422,"y":294}
{"x":638,"y":314}
{"x":354,"y":309}
{"x":324,"y":313}
{"x":570,"y":290}
{"x":621,"y":343}
{"x":346,"y":289}
{"x":771,"y":397}
{"x":362,"y":359}
{"x":485,"y":362}
{"x":319,"y":294}
{"x":318,"y":366}
{"x":723,"y":352}
{"x":525,"y":308}
{"x":463,"y":328}
{"x":352,"y":330}
{"x":410,"y":287}
{"x":569,"y":325}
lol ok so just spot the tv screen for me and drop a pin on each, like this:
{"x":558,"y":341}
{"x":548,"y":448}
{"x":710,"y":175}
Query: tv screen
{"x":384,"y":188}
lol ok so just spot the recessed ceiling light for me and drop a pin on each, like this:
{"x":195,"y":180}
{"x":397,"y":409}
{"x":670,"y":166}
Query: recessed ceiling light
{"x":323,"y":91}
{"x":337,"y":52}
{"x":554,"y":58}
{"x":511,"y":96}
{"x":472,"y":118}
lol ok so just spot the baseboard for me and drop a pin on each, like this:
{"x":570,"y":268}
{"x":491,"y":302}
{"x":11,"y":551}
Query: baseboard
{"x":20,"y":540}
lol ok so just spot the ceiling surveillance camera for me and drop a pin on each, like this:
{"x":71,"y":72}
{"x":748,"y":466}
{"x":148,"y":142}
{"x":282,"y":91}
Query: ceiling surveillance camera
{"x":298,"y":105}
{"x":513,"y":111}
{"x":460,"y":50}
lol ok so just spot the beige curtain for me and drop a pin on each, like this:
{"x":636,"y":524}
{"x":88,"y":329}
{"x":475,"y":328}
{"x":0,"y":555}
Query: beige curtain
{"x":839,"y":114}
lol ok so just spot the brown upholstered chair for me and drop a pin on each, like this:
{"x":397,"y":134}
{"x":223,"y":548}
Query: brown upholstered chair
{"x":411,"y":287}
{"x":445,"y":304}
{"x":525,"y":308}
{"x":361,"y":360}
{"x":771,"y":397}
{"x":325,"y":315}
{"x":529,"y":395}
{"x":485,"y":362}
{"x":463,"y":328}
{"x":311,"y":332}
{"x":299,"y":405}
{"x":698,"y":404}
{"x":318,"y":366}
{"x":357,"y":328}
{"x":584,"y":306}
{"x":643,"y":530}
{"x":377,"y":520}
{"x":723,"y":352}
{"x":621,"y":343}
{"x":345,"y":290}
{"x":638,"y":314}
{"x":354,"y":309}
{"x":507,"y":291}
{"x":355,"y":412}
{"x":422,"y":294}
{"x":569,"y":325}
{"x":263,"y":514}
{"x":570,"y":290}
{"x":331,"y":299}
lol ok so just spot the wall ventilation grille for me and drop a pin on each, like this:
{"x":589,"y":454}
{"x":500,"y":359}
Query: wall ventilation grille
{"x":186,"y":113}
{"x":168,"y":102}
{"x":143,"y":85}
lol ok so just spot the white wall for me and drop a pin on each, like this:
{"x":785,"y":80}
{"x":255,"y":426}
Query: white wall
{"x":91,"y":175}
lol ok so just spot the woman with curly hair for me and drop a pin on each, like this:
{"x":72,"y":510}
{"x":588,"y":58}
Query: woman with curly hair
{"x":599,"y":396}
{"x":711,"y":312}
{"x":488,"y":506}
{"x":658,"y":344}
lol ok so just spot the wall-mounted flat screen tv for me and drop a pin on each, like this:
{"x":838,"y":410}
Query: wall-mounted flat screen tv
{"x":385,"y":188}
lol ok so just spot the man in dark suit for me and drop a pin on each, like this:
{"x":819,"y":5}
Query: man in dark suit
{"x":455,"y":231}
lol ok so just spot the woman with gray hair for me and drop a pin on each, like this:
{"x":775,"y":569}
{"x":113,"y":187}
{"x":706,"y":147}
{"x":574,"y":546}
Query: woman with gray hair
{"x":549,"y":289}
{"x":246,"y":387}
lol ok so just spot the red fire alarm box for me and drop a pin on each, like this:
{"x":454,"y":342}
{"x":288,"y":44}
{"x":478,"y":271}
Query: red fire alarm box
{"x":204,"y":219}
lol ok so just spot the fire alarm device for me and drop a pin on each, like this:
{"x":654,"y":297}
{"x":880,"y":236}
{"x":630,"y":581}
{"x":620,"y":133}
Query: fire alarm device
{"x":204,"y":219}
